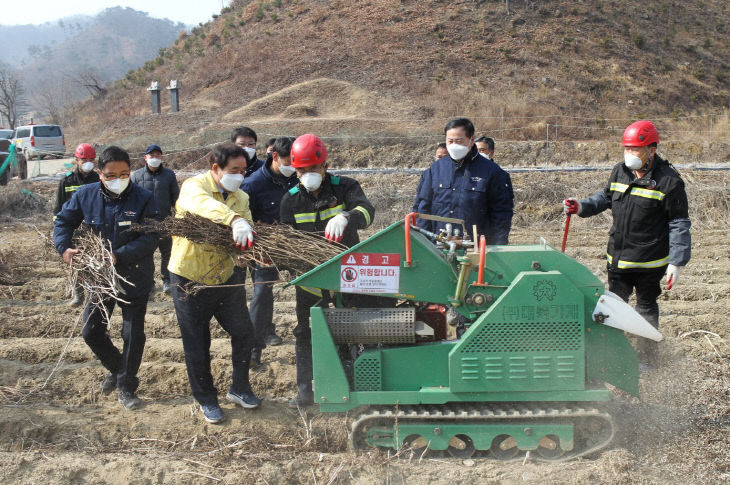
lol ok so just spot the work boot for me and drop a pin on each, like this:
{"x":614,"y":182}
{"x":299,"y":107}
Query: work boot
{"x":273,"y":340}
{"x":255,"y":358}
{"x":129,"y":400}
{"x":78,"y":298}
{"x":304,"y":398}
{"x":166,"y":288}
{"x":109,"y":383}
{"x":647,"y":350}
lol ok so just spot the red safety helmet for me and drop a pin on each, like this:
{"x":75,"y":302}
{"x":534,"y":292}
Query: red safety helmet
{"x":85,"y":152}
{"x":308,"y":150}
{"x":640,"y":134}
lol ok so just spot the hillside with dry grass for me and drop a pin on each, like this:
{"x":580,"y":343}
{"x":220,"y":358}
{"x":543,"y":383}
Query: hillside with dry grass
{"x":416,"y":63}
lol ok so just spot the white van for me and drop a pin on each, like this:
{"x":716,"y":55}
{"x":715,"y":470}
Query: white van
{"x":35,"y":140}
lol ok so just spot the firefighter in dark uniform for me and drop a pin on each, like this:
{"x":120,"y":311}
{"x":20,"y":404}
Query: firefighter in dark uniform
{"x":320,"y":202}
{"x":650,"y":236}
{"x":83,"y":174}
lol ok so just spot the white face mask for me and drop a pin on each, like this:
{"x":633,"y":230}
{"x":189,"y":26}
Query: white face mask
{"x":311,"y":181}
{"x":231,"y":181}
{"x":154,"y":162}
{"x":87,"y":167}
{"x":251,"y":153}
{"x":457,"y":152}
{"x":632,"y":162}
{"x":287,"y":170}
{"x":117,"y":186}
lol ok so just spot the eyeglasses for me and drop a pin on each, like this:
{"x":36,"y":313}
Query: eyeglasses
{"x":114,"y":177}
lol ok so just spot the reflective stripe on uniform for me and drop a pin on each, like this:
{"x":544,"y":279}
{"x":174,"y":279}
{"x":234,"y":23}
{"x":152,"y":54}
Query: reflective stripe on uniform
{"x":72,"y":188}
{"x":619,"y":187}
{"x":631,"y":264}
{"x":305,"y":217}
{"x":326,"y":214}
{"x":649,"y":194}
{"x":313,"y":291}
{"x":365,"y":213}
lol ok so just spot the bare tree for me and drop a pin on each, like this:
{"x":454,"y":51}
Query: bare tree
{"x":12,"y":96}
{"x":51,"y":98}
{"x":91,"y":81}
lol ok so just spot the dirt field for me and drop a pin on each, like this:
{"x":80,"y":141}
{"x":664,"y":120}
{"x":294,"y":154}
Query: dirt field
{"x":64,"y":431}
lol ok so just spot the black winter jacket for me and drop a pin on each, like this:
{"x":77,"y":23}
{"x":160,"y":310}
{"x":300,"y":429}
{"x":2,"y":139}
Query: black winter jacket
{"x":69,"y":184}
{"x":163,"y":185}
{"x":111,"y":218}
{"x":651,"y":226}
{"x":253,"y":167}
{"x":303,"y":211}
{"x":476,"y":190}
{"x":265,"y":190}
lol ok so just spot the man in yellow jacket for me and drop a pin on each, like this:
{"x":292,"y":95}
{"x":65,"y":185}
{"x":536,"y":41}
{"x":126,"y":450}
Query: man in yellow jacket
{"x":215,"y":195}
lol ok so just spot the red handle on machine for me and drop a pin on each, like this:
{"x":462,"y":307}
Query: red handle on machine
{"x":565,"y":232}
{"x":482,"y":259}
{"x":409,"y":219}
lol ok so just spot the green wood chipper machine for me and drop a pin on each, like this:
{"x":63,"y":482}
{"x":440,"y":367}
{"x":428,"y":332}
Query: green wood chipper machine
{"x":538,"y":339}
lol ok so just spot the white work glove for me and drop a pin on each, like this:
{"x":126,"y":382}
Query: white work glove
{"x":672,"y":275}
{"x":242,"y":233}
{"x":336,"y":228}
{"x":571,"y":206}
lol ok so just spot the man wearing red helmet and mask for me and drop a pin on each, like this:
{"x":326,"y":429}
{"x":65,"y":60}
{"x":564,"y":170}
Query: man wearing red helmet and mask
{"x":650,"y":236}
{"x":320,"y":202}
{"x":83,"y":174}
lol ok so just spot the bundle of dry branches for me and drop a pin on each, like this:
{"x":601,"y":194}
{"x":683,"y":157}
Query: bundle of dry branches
{"x":93,"y":269}
{"x":290,"y":249}
{"x":275,"y":244}
{"x":6,"y":273}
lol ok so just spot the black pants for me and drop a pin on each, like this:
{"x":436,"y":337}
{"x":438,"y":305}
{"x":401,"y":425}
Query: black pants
{"x":648,"y":288}
{"x":262,"y":303}
{"x":303,"y":335}
{"x":124,"y":364}
{"x":165,"y":246}
{"x":193,"y":316}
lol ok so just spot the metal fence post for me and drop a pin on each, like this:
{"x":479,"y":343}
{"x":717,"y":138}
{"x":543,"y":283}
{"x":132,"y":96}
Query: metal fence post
{"x":710,"y":128}
{"x":547,"y":143}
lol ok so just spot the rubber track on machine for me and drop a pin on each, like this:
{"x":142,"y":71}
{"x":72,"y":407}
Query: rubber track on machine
{"x":482,"y":413}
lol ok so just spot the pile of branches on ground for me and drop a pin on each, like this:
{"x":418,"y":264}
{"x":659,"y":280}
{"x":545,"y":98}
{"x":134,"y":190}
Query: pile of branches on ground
{"x":275,"y":244}
{"x":92,"y":269}
{"x":8,"y":276}
{"x":17,"y":202}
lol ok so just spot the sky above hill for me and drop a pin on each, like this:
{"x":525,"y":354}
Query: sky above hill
{"x":51,"y":10}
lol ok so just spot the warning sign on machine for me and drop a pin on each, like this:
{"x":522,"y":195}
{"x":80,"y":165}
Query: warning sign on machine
{"x":370,"y":273}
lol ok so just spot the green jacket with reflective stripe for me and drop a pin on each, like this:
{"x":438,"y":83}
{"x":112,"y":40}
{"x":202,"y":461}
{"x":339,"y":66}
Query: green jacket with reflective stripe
{"x":304,"y":212}
{"x":69,"y":184}
{"x":650,"y":218}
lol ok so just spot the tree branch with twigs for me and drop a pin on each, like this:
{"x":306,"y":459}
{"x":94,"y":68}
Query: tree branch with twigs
{"x":12,"y":96}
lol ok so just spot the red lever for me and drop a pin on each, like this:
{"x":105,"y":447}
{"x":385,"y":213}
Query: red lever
{"x":482,"y":259}
{"x":565,"y":233}
{"x":409,"y":219}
